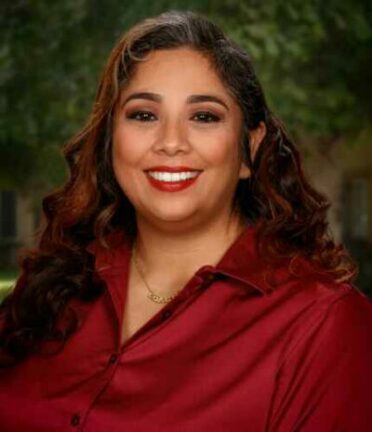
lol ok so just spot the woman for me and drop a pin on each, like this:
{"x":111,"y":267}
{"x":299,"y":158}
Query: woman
{"x":185,"y":279}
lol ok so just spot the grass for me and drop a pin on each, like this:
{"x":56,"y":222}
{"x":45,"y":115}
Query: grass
{"x":7,"y":280}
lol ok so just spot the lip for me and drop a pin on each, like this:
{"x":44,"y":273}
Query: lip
{"x":165,"y":186}
{"x":171,"y":169}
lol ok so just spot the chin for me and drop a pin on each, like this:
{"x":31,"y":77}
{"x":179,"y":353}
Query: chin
{"x":169,"y":215}
{"x":174,"y":216}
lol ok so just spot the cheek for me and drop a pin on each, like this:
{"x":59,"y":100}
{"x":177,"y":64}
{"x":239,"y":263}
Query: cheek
{"x":125,"y":150}
{"x":123,"y":162}
{"x":221,"y":150}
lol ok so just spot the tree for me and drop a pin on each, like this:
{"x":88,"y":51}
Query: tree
{"x":315,"y":60}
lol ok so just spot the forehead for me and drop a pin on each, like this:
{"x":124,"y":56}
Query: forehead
{"x":177,"y":69}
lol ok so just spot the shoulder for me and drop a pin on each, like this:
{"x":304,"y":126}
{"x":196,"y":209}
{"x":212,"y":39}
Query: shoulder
{"x":316,"y":307}
{"x":336,"y":322}
{"x":324,"y":372}
{"x":307,"y":285}
{"x":347,"y":319}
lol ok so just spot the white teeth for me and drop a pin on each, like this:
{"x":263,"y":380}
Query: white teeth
{"x":172,"y":177}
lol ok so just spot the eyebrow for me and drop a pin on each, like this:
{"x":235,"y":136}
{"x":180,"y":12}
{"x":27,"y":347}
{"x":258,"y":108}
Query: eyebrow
{"x":190,"y":100}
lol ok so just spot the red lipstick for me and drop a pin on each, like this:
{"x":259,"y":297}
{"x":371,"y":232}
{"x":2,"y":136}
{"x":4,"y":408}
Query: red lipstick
{"x":163,"y":168}
{"x":172,"y":186}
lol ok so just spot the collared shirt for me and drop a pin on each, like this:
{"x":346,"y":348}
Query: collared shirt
{"x":237,"y":350}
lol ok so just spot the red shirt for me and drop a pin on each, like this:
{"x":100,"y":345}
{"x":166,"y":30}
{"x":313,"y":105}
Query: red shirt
{"x":230,"y":353}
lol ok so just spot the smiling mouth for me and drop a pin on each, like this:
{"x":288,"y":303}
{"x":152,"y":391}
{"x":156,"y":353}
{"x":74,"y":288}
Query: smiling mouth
{"x":173,"y":177}
{"x":172,"y":180}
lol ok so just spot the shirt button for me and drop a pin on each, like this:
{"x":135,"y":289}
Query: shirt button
{"x":75,"y":420}
{"x":166,"y":314}
{"x":113,"y":358}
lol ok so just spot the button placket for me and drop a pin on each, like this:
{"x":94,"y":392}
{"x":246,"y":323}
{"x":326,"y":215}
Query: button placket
{"x":75,"y":420}
{"x":113,"y":358}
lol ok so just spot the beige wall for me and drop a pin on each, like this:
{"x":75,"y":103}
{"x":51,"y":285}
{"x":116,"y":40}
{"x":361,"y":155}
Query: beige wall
{"x":25,"y":232}
{"x":25,"y":220}
{"x":325,"y":174}
{"x":328,"y":168}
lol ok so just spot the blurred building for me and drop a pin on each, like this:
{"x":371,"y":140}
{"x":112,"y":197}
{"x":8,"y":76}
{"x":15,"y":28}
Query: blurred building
{"x":356,"y":163}
{"x":344,"y":174}
{"x":17,"y":225}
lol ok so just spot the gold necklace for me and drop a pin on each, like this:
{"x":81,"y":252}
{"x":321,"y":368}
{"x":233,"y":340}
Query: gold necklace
{"x":151,"y":295}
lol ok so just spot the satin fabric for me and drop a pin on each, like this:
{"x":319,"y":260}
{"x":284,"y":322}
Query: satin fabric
{"x":243,"y":347}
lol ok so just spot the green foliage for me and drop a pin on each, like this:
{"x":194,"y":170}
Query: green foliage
{"x":7,"y":281}
{"x":51,"y":58}
{"x":314,"y":62}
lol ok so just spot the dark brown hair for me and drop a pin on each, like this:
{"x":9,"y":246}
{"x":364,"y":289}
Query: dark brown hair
{"x":289,"y":213}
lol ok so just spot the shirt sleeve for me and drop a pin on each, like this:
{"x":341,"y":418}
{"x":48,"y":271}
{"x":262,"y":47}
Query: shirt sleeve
{"x":325,"y":381}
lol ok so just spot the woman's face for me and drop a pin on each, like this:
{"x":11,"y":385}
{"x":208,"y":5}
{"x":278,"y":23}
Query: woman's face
{"x":176,"y":141}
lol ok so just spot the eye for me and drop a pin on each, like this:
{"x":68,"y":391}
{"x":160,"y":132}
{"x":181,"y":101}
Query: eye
{"x":206,"y":117}
{"x":143,"y":116}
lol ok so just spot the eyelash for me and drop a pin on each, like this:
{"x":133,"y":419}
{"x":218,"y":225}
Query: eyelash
{"x":209,"y":115}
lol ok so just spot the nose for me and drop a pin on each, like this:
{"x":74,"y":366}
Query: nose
{"x":172,"y":138}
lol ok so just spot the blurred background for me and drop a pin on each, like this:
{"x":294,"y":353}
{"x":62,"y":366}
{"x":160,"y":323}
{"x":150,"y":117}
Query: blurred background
{"x":314,"y":59}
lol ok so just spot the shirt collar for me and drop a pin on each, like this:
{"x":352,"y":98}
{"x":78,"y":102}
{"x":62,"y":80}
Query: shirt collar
{"x":240,"y":262}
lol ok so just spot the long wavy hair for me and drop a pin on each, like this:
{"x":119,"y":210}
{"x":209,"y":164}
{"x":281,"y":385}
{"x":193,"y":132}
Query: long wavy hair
{"x":290,"y":215}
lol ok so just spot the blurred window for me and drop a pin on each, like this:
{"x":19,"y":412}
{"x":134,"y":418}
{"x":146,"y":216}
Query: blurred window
{"x":8,"y":215}
{"x":355,"y":208}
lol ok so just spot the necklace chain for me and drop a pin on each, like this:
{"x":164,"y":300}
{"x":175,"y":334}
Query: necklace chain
{"x":151,"y":295}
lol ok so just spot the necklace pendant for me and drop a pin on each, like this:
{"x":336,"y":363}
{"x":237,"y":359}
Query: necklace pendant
{"x":157,"y":298}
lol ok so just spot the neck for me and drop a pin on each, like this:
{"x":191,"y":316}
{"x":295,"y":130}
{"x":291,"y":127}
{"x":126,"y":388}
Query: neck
{"x":184,"y":252}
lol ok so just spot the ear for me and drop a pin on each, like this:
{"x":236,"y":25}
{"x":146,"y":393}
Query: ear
{"x":256,"y":137}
